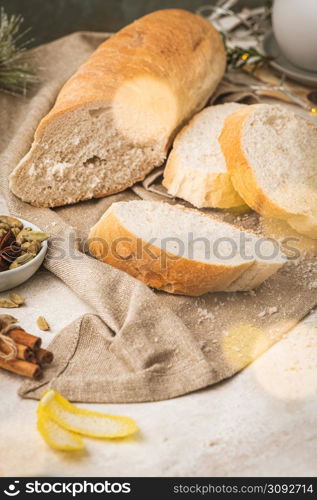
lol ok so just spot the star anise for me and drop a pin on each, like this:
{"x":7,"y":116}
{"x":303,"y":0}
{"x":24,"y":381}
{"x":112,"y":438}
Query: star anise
{"x":11,"y":252}
{"x":7,"y":240}
{"x":4,"y":265}
{"x":10,"y":249}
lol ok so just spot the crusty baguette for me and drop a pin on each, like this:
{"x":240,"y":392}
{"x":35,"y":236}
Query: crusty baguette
{"x":114,"y":120}
{"x":271,"y":155}
{"x":180,"y":250}
{"x":196,"y":168}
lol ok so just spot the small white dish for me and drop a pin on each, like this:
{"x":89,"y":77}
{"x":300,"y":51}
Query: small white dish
{"x":280,"y":63}
{"x":15,"y":277}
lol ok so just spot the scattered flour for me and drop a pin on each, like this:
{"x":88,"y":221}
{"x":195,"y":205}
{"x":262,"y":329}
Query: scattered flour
{"x":269,"y":311}
{"x":204,"y":315}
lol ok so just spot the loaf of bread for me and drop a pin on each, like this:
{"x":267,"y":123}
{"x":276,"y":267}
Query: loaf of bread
{"x":271,"y":155}
{"x":196,"y":168}
{"x":114,"y":120}
{"x":180,"y":250}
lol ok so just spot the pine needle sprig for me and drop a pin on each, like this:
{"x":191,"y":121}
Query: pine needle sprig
{"x":238,"y":57}
{"x":16,"y":72}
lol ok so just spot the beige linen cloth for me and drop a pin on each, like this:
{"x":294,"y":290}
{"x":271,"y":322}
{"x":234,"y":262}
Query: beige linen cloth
{"x":141,"y":345}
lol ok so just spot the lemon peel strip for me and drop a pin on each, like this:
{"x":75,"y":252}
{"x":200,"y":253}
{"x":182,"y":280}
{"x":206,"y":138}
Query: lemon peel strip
{"x":56,"y":436}
{"x":85,"y":422}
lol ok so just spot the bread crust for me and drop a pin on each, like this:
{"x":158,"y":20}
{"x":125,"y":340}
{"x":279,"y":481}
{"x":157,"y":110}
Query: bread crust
{"x":154,"y":266}
{"x":169,"y":44}
{"x":242,"y":175}
{"x":165,"y":43}
{"x":244,"y":180}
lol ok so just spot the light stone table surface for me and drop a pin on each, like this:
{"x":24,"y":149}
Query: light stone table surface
{"x":262,"y":422}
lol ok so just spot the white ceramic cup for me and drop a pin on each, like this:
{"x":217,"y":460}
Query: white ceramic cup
{"x":295,"y":29}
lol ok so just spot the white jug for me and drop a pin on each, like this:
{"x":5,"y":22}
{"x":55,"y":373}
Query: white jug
{"x":295,"y":29}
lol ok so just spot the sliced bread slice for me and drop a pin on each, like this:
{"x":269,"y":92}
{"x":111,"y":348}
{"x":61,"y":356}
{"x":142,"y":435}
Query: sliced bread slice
{"x":196,"y":168}
{"x":271,"y":154}
{"x":180,"y":250}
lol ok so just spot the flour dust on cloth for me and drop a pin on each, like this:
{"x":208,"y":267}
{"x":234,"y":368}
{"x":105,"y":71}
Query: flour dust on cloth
{"x":140,"y":345}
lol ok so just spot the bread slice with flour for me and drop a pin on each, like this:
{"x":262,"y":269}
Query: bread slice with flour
{"x":114,"y":120}
{"x":180,"y":250}
{"x":196,"y":168}
{"x":271,"y":155}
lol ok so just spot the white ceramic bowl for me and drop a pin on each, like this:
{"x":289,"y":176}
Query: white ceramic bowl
{"x":15,"y":277}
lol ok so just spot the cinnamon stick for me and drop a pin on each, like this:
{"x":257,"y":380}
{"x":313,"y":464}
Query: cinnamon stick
{"x":21,"y":337}
{"x":23,"y":352}
{"x":23,"y":368}
{"x":44,"y":357}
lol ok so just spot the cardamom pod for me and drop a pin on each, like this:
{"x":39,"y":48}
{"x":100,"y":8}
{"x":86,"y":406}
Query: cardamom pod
{"x":25,"y":245}
{"x":17,"y":298}
{"x":36,"y":236}
{"x":4,"y":302}
{"x":7,"y":319}
{"x":22,"y":259}
{"x":11,"y":221}
{"x":34,"y":247}
{"x":15,"y":231}
{"x":42,"y":324}
{"x":20,"y":238}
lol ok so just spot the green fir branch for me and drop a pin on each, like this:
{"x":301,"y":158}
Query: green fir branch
{"x":238,"y":57}
{"x":16,"y":73}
